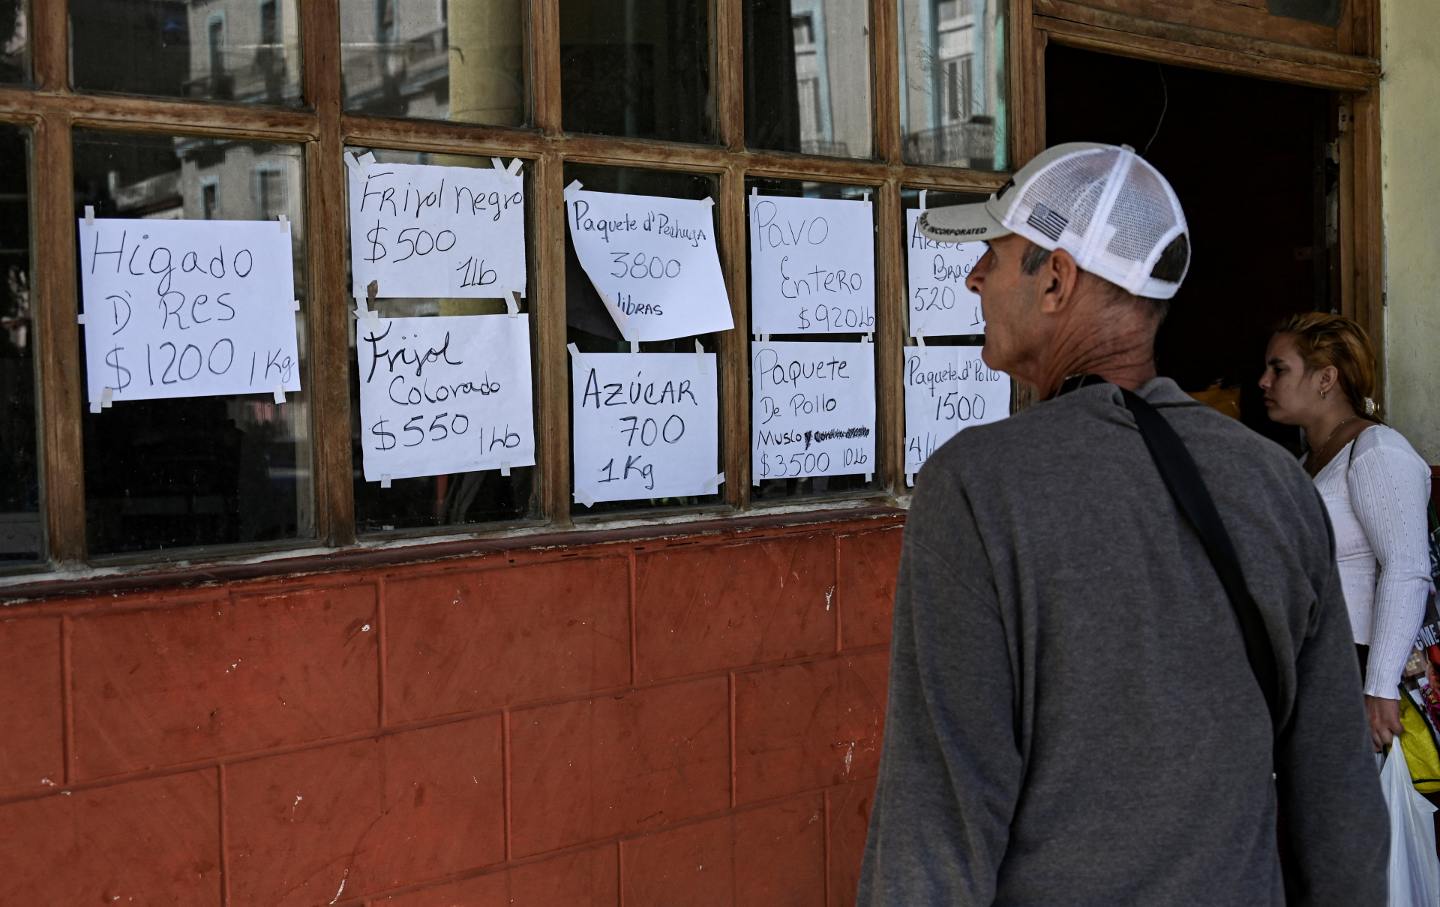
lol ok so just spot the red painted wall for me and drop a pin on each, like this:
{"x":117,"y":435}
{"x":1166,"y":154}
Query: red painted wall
{"x":684,"y":722}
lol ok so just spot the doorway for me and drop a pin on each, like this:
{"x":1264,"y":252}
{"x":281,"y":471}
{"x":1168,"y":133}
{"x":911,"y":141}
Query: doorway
{"x":1253,"y":164}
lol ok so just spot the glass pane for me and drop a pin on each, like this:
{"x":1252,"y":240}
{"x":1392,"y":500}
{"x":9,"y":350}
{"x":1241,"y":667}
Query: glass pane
{"x":20,"y":527}
{"x":807,"y":76}
{"x":592,"y":329}
{"x":245,"y":51}
{"x":14,"y":42}
{"x":638,"y":68}
{"x":193,"y":471}
{"x":952,"y":73}
{"x":815,"y":486}
{"x":429,"y":501}
{"x":435,"y":60}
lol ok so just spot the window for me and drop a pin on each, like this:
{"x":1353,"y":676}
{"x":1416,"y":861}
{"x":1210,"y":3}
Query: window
{"x":639,"y":109}
{"x":14,"y":42}
{"x":808,"y":90}
{"x":957,"y":89}
{"x":217,"y":50}
{"x":385,"y":21}
{"x":269,"y":25}
{"x":412,"y":58}
{"x":269,"y":182}
{"x":21,"y":536}
{"x":638,"y":68}
{"x":197,"y":471}
{"x":804,"y":31}
{"x":952,"y":62}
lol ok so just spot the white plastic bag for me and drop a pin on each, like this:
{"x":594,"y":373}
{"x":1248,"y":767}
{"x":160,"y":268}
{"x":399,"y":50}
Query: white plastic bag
{"x":1414,"y":870}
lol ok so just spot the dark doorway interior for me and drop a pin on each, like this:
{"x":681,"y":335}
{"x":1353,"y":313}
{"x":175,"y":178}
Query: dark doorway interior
{"x":1250,"y":161}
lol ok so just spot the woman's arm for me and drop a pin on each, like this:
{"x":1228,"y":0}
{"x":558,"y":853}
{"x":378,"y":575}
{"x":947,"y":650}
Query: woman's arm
{"x":1388,"y":492}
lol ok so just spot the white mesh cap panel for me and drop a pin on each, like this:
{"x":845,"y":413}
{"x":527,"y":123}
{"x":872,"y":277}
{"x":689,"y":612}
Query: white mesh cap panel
{"x":1142,"y":217}
{"x":1066,"y":200}
{"x":1064,"y":195}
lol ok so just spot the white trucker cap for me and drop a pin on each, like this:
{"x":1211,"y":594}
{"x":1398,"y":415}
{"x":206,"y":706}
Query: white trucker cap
{"x":1103,"y":204}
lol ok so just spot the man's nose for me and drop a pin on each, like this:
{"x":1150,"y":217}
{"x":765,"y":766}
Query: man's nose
{"x":977,"y":274}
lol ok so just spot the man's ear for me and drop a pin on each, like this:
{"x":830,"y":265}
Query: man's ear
{"x":1060,"y":275}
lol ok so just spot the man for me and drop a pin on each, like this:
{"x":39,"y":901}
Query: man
{"x":1072,"y":716}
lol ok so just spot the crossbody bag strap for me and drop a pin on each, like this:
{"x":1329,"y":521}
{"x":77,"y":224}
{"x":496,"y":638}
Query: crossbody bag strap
{"x":1182,"y":478}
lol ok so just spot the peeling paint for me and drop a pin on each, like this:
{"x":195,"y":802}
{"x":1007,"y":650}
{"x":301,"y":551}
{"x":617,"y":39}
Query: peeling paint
{"x":829,"y":595}
{"x":341,"y":889}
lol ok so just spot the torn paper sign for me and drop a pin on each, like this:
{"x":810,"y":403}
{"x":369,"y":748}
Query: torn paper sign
{"x":444,"y":394}
{"x":646,"y":425}
{"x":653,"y":261}
{"x":426,"y":231}
{"x":188,"y":308}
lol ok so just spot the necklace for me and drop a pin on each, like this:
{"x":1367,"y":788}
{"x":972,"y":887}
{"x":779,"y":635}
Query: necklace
{"x":1317,"y":459}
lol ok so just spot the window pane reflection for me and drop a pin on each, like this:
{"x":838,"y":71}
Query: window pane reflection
{"x":20,"y":527}
{"x":807,"y":76}
{"x":220,"y":50}
{"x":952,"y":76}
{"x":431,"y":501}
{"x":435,"y":59}
{"x":638,"y":68}
{"x":14,"y":41}
{"x":201,"y":470}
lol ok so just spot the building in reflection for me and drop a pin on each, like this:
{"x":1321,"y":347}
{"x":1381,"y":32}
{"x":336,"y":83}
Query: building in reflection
{"x":952,"y":64}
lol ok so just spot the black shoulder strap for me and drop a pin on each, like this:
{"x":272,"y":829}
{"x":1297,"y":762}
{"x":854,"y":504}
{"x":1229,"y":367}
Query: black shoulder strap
{"x":1182,"y":478}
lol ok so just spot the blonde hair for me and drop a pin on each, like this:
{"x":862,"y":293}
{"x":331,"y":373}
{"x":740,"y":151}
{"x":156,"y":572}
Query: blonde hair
{"x":1323,"y":339}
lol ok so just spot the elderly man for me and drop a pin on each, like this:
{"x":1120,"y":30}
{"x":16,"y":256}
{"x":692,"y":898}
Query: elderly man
{"x":1085,"y":709}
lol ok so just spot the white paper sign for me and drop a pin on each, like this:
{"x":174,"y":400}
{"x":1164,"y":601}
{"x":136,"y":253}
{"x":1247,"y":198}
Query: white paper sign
{"x":947,"y":389}
{"x":646,"y":425}
{"x":814,"y":409}
{"x":444,"y":394}
{"x":436,"y":232}
{"x":812,"y":266}
{"x":940,"y":303}
{"x":653,"y":260}
{"x":188,"y":308}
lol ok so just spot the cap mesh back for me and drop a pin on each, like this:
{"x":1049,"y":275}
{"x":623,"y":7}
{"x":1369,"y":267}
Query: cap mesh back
{"x":1061,"y":203}
{"x":1142,"y":215}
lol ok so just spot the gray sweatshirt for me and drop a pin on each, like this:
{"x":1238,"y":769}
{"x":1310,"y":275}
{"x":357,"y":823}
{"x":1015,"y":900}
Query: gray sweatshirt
{"x":1072,"y":720}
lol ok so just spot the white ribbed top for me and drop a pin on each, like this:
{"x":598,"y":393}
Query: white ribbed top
{"x":1377,"y":497}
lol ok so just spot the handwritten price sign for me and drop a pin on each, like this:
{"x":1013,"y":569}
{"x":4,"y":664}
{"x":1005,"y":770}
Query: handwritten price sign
{"x":947,"y":389}
{"x":646,"y":425}
{"x":436,"y":232}
{"x":940,"y":303}
{"x":440,"y":395}
{"x":812,"y":266}
{"x":188,"y":308}
{"x":813,"y":411}
{"x":653,"y":261}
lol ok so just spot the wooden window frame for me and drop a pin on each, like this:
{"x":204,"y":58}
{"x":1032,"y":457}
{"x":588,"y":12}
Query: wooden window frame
{"x":53,"y":110}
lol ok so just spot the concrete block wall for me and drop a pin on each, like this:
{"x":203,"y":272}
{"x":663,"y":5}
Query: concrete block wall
{"x":690,"y":721}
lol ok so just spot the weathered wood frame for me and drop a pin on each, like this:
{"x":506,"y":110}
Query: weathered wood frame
{"x":52,"y":110}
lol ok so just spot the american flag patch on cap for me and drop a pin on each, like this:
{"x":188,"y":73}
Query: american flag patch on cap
{"x":1048,"y":222}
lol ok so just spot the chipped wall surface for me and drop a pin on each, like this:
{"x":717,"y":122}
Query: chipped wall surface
{"x":1410,"y":131}
{"x":694,"y":720}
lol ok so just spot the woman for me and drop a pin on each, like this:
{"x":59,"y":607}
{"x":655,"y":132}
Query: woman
{"x":1320,"y":375}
